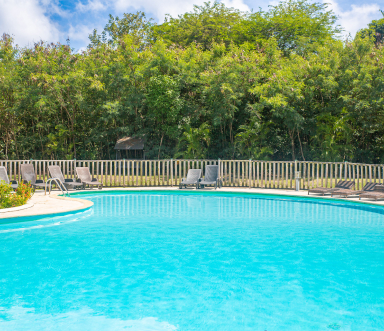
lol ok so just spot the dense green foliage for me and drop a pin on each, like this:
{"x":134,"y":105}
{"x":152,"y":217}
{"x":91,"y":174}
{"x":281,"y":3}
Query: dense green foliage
{"x":375,"y":29}
{"x":212,"y":83}
{"x":9,"y":198}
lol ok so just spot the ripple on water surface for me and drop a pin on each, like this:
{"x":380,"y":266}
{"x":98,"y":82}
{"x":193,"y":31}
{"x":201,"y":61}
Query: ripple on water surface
{"x":165,"y":261}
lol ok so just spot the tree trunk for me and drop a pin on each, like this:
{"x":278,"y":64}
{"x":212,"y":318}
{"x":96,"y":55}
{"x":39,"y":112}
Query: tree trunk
{"x":292,"y":136}
{"x":161,"y":141}
{"x":301,"y":147}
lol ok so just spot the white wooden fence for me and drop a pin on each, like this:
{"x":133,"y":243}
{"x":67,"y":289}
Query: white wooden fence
{"x":239,"y":173}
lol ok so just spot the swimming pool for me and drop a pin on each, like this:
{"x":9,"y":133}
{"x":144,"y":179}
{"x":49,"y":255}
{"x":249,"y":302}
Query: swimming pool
{"x":195,"y":261}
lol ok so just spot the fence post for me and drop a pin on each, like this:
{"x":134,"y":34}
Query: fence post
{"x":345,"y":170}
{"x":249,"y":173}
{"x":171,"y":172}
{"x":218,"y":163}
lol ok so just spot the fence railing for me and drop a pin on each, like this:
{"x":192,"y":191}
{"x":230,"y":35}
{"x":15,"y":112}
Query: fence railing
{"x":239,"y":173}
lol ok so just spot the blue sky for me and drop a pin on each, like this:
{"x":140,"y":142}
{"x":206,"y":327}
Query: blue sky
{"x":56,"y":20}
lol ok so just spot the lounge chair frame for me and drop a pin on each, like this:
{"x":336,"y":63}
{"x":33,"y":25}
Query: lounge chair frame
{"x":56,"y":172}
{"x":84,"y":175}
{"x":211,"y":177}
{"x":377,"y":193}
{"x":368,"y":187}
{"x":29,"y":176}
{"x":342,"y":184}
{"x":4,"y":177}
{"x":193,"y":178}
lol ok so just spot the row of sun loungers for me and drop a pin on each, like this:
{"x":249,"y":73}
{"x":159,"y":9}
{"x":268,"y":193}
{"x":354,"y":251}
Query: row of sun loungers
{"x":84,"y":177}
{"x":194,"y":177}
{"x":28,"y":175}
{"x":348,"y":192}
{"x":83,"y":174}
{"x":341,"y":185}
{"x":345,"y":188}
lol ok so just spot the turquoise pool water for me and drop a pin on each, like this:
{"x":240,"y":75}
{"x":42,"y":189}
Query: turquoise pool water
{"x":171,"y":261}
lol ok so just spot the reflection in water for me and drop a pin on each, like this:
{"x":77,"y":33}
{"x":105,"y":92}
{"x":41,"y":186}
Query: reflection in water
{"x":297,"y":210}
{"x":82,"y":320}
{"x":45,"y":222}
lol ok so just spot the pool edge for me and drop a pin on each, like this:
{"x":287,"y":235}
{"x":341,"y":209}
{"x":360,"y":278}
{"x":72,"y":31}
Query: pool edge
{"x":220,"y":191}
{"x":86,"y":204}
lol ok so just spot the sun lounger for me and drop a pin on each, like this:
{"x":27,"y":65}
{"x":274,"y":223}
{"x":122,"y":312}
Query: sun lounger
{"x":29,"y":176}
{"x":4,"y":177}
{"x":369,"y":187}
{"x":85,"y":177}
{"x":343,"y":184}
{"x":56,"y":172}
{"x":211,"y":176}
{"x":193,"y":177}
{"x":378,"y":193}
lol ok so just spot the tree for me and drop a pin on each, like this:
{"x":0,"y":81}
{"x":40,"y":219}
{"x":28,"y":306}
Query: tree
{"x":277,"y":84}
{"x":211,"y":22}
{"x":296,"y":24}
{"x":137,"y":26}
{"x":164,"y":105}
{"x":251,"y":139}
{"x":375,"y":29}
{"x":194,"y":142}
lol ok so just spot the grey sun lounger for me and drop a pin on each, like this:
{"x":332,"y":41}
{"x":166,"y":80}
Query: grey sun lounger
{"x":211,"y":176}
{"x":377,"y":193}
{"x":29,"y":176}
{"x":342,"y":184}
{"x":4,"y":177}
{"x":368,"y":188}
{"x":56,"y":172}
{"x":85,"y":177}
{"x":193,"y":177}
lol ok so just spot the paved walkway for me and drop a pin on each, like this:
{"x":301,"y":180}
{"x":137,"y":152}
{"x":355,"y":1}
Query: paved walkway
{"x":52,"y":204}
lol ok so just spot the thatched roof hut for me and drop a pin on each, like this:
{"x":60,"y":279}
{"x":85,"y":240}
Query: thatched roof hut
{"x":130,"y":148}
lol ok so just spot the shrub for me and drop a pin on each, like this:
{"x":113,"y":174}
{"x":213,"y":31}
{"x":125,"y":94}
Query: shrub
{"x":9,"y":199}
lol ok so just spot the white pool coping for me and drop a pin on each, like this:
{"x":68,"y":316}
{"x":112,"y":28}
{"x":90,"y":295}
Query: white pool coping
{"x":53,"y":204}
{"x":12,"y":209}
{"x":41,"y":204}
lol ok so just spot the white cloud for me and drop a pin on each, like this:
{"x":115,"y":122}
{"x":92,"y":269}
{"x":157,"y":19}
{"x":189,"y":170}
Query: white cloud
{"x":238,"y":4}
{"x":27,"y":21}
{"x":91,"y":5}
{"x":157,"y":8}
{"x":273,"y":3}
{"x":355,"y":18}
{"x":32,"y":20}
{"x":80,"y":33}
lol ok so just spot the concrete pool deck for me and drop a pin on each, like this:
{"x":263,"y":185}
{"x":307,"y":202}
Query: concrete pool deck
{"x":48,"y":204}
{"x":55,"y":204}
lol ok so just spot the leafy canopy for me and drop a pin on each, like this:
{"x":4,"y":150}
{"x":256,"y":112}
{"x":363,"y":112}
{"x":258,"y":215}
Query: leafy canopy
{"x":215,"y":82}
